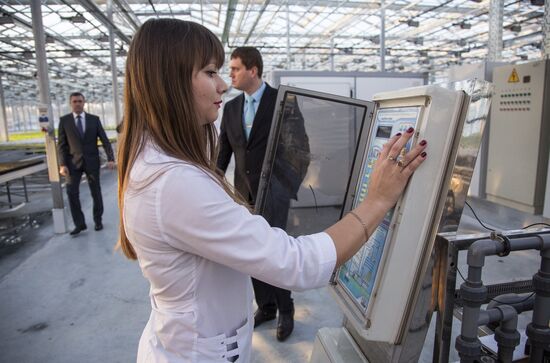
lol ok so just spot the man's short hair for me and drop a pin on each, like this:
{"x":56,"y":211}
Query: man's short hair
{"x":251,"y":57}
{"x":76,"y":94}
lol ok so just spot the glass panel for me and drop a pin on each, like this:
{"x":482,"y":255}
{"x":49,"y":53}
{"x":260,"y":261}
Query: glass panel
{"x":314,"y":144}
{"x":480,"y":93}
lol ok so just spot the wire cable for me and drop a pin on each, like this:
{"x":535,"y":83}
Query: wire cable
{"x":479,"y":220}
{"x":537,"y":224}
{"x":515,"y":302}
{"x":493,"y":299}
{"x":314,"y":198}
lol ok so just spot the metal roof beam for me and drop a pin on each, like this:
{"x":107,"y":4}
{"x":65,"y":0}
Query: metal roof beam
{"x":262,"y":10}
{"x":99,"y":15}
{"x":28,"y":26}
{"x":231,"y":7}
{"x":127,"y":12}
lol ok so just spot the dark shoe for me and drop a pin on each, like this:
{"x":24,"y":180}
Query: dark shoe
{"x":285,"y":325}
{"x":98,"y":226}
{"x":261,"y":317}
{"x":77,"y":230}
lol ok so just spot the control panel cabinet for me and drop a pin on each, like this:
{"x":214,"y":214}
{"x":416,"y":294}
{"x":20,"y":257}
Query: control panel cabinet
{"x":378,"y":286}
{"x":319,"y":158}
{"x":519,"y":140}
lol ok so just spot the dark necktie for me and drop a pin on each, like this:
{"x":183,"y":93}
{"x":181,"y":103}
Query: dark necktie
{"x":79,"y":126}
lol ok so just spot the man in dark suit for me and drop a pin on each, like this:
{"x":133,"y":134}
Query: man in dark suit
{"x":77,"y":143}
{"x":244,"y":132}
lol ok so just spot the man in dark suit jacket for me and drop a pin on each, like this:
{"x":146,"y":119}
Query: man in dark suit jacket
{"x":244,"y":132}
{"x":77,"y":143}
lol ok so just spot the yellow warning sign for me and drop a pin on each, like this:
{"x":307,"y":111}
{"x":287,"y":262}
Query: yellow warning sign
{"x":514,"y":78}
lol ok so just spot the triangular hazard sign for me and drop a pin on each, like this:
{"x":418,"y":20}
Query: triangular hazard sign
{"x":514,"y":78}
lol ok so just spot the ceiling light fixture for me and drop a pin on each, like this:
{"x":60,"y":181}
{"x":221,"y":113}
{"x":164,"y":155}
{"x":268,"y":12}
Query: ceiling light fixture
{"x":6,"y":19}
{"x":77,"y":19}
{"x":516,"y":28}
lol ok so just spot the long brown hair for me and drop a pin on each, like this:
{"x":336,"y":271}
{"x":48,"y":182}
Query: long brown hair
{"x":159,"y":103}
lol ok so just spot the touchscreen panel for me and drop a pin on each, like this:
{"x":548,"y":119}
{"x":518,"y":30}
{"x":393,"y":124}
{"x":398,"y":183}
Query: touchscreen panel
{"x":358,"y":275}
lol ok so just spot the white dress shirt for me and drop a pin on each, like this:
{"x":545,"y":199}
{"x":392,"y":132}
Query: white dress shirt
{"x":198,"y":249}
{"x":83,"y":118}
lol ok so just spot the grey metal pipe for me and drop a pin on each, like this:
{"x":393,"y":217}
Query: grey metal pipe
{"x":538,"y":330}
{"x":518,"y":302}
{"x":488,"y":247}
{"x":506,"y":335}
{"x":474,"y":293}
{"x":479,"y":249}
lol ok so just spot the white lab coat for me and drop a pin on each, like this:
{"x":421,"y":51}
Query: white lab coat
{"x":198,"y":249}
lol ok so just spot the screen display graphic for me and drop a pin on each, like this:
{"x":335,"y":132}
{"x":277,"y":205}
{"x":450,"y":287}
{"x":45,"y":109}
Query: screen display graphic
{"x":358,"y":275}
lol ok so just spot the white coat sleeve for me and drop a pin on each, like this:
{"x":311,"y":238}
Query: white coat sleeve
{"x":197,"y":216}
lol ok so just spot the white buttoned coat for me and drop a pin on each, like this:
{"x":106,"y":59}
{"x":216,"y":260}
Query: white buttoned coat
{"x":198,"y":249}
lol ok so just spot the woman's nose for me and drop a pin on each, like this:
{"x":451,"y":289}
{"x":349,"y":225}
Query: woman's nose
{"x":222,"y":86}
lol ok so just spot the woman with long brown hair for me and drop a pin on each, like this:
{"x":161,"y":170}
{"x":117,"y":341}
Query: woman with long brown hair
{"x":195,"y":241}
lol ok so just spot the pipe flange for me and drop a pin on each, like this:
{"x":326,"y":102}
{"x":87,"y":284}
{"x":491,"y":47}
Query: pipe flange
{"x":473,"y":295}
{"x":538,"y":336}
{"x":507,"y":338}
{"x":468,"y":348}
{"x":505,"y":241}
{"x":541,"y":285}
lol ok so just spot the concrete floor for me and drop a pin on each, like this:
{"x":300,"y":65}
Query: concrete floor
{"x":66,"y":299}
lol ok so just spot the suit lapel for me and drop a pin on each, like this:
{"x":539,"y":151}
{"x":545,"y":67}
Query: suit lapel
{"x":238,"y":128}
{"x":262,"y":118}
{"x":89,"y":126}
{"x":72,"y":126}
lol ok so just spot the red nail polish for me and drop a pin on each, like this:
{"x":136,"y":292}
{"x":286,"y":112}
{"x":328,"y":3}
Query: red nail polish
{"x":423,"y":142}
{"x":410,"y":129}
{"x":423,"y":154}
{"x":398,"y":134}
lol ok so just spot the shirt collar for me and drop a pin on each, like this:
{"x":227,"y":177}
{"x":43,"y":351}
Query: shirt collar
{"x":82,"y":115}
{"x":257,"y":96}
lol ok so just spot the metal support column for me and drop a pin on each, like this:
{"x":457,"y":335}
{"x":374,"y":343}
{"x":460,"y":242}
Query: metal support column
{"x":382,"y":36}
{"x":4,"y":136}
{"x":332,"y":54}
{"x":546,"y":32}
{"x":114,"y":69}
{"x":288,"y":60}
{"x":60,"y":225}
{"x":496,"y":15}
{"x":58,"y":104}
{"x":17,"y":116}
{"x":103,"y":107}
{"x":29,"y":124}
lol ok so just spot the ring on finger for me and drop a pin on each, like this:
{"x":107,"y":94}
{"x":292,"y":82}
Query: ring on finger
{"x":391,"y":158}
{"x":401,"y":162}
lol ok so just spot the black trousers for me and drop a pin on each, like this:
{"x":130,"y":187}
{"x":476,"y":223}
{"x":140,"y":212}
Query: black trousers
{"x":73,"y":192}
{"x":270,"y":298}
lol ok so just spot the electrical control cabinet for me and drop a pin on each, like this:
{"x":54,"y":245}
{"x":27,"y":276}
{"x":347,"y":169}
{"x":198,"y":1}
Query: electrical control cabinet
{"x":519,"y":139}
{"x":377,"y":287}
{"x":319,"y":157}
